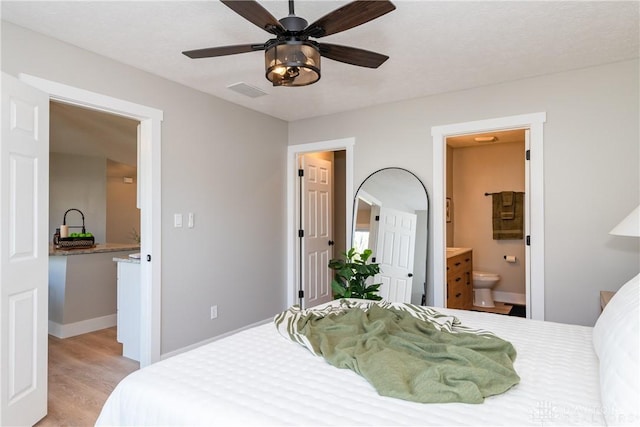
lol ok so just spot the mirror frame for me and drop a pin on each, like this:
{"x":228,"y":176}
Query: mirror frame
{"x":355,"y":213}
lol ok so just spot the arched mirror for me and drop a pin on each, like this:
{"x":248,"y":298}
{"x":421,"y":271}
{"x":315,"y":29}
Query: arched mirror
{"x":391,"y":212}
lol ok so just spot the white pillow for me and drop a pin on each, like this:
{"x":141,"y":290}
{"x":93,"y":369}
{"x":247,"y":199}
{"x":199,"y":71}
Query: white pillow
{"x":616,"y":342}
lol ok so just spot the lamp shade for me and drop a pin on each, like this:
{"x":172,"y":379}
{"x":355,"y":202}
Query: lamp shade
{"x":630,"y":226}
{"x":292,"y":63}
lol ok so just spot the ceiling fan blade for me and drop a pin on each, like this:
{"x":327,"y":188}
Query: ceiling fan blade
{"x":349,"y":16}
{"x":253,"y":12}
{"x":352,"y":55}
{"x":223,"y":50}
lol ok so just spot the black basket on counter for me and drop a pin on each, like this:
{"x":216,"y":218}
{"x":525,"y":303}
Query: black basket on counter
{"x":74,"y":242}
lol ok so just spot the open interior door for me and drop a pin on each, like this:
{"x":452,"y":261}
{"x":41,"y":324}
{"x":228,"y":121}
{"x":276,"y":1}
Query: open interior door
{"x":318,"y":229}
{"x":24,"y":252}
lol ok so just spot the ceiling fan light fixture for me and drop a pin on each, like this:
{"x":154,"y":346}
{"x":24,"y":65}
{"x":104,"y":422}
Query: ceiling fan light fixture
{"x":292,"y":63}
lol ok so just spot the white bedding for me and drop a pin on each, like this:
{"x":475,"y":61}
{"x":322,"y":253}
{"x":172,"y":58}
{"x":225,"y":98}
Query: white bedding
{"x":257,"y":377}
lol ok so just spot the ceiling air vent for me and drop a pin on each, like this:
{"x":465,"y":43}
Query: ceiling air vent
{"x":245,"y":89}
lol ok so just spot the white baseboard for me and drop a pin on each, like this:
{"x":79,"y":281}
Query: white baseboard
{"x":510,"y":297}
{"x":82,"y":327}
{"x":208,"y":340}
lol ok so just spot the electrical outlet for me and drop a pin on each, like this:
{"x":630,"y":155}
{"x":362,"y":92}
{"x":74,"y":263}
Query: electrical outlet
{"x":214,"y":311}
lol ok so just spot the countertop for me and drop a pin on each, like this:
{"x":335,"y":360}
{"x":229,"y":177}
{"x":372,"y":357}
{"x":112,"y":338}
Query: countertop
{"x":451,"y":252}
{"x":126,"y":259}
{"x":100,"y":248}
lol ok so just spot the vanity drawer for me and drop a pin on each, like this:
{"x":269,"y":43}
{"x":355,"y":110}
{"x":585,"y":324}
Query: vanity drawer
{"x":456,"y":295}
{"x":460,"y":263}
{"x":459,"y":281}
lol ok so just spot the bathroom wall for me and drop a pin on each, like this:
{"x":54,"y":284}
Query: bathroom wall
{"x":476,"y":171}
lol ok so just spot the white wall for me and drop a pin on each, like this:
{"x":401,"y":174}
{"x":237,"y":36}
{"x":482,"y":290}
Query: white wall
{"x":235,"y":257}
{"x":224,"y":163}
{"x":591,"y":163}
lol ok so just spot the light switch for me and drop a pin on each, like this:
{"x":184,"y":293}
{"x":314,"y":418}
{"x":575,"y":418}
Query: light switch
{"x":177,"y":220}
{"x":190,"y":220}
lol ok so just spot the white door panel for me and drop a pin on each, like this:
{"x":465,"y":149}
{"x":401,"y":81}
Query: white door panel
{"x":24,"y":192}
{"x":317,"y":226}
{"x":396,"y":231}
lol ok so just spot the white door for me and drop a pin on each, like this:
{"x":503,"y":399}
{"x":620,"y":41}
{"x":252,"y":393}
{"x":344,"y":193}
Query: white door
{"x":24,"y":252}
{"x":317,"y":226}
{"x":394,"y":251}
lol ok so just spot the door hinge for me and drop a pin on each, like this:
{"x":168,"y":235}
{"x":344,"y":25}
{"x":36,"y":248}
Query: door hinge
{"x":377,"y":217}
{"x":528,"y":240}
{"x":300,"y":233}
{"x":373,"y":260}
{"x":527,"y":155}
{"x":148,"y":258}
{"x":301,"y":294}
{"x":300,"y":172}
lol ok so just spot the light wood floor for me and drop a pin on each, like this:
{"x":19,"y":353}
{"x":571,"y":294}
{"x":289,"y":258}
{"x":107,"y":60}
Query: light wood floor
{"x":500,"y":308}
{"x":83,"y":370}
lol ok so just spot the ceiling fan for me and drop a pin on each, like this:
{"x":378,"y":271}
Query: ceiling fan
{"x":291,"y":58}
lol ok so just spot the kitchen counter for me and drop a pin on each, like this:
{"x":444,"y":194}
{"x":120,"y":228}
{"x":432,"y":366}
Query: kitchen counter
{"x":82,"y":288}
{"x":451,"y":252}
{"x":126,"y":259}
{"x":100,"y":248}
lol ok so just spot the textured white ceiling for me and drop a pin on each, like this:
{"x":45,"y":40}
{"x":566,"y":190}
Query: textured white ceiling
{"x":434,"y":46}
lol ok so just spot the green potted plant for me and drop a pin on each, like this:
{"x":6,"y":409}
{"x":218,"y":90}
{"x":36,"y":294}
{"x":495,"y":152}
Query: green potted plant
{"x":351,"y":274}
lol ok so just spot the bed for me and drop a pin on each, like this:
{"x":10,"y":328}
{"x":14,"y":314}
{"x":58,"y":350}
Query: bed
{"x":569,"y":375}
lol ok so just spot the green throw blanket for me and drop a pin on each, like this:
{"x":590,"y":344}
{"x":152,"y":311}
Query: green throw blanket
{"x":406,"y":351}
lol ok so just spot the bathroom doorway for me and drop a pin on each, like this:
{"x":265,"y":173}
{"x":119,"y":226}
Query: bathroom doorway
{"x":481,"y":167}
{"x":534,"y":202}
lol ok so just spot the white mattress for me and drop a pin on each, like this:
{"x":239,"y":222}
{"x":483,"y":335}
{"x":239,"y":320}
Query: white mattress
{"x":257,"y":377}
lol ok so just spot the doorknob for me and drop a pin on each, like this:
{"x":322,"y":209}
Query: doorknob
{"x":331,"y":242}
{"x":410,"y":274}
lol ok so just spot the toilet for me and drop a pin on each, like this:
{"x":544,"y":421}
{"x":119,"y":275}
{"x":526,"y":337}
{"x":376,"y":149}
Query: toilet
{"x":483,"y":282}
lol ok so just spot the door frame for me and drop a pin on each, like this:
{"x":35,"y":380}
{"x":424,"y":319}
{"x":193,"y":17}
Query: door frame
{"x":535,"y":252}
{"x":149,"y":156}
{"x":293,"y":249}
